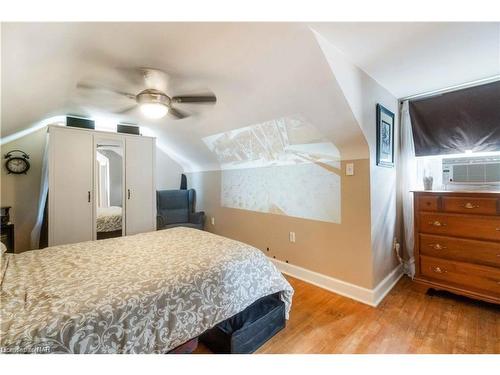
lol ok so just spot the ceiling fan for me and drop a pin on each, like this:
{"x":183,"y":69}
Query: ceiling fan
{"x":153,"y":101}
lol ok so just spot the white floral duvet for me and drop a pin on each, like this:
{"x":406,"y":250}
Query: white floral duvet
{"x":109,"y":219}
{"x":146,"y":293}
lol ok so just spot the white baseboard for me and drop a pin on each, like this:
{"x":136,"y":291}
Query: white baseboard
{"x":386,"y":285}
{"x":370,"y":297}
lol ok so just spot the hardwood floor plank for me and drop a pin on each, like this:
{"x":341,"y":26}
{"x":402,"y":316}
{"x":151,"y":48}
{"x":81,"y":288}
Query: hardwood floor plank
{"x":407,"y":321}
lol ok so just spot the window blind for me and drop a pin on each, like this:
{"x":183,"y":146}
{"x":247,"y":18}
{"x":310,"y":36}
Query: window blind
{"x":453,"y":122}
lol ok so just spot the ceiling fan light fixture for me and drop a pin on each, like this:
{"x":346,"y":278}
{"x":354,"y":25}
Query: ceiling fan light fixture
{"x":154,"y":110}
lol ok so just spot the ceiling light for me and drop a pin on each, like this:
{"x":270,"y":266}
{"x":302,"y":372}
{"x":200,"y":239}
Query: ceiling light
{"x":154,"y":110}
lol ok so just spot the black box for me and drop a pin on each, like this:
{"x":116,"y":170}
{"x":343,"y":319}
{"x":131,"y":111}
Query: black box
{"x":246,"y":331}
{"x":77,"y":122}
{"x":128,"y":129}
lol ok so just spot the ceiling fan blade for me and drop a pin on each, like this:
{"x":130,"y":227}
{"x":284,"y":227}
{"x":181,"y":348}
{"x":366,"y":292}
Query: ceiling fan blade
{"x":87,"y":86}
{"x":126,"y":110}
{"x":195,"y":99}
{"x":176,"y":113}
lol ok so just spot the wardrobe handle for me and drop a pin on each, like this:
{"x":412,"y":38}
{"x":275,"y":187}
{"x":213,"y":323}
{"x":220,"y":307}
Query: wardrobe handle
{"x":88,"y":196}
{"x":128,"y":193}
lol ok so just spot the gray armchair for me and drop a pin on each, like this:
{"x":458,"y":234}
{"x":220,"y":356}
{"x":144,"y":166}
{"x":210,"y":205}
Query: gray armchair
{"x":175,"y":208}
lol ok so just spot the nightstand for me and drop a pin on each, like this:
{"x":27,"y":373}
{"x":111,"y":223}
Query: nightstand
{"x":7,"y":236}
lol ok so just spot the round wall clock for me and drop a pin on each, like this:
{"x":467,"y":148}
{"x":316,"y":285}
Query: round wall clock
{"x":17,"y":164}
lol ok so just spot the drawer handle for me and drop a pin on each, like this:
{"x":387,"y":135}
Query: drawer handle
{"x":469,"y":205}
{"x":437,"y":223}
{"x":437,"y":246}
{"x":439,"y":270}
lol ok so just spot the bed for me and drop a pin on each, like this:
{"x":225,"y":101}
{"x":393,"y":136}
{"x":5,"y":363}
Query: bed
{"x":109,"y":222}
{"x":146,"y":293}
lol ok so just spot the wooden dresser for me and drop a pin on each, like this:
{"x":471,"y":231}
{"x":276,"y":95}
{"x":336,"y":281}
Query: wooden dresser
{"x":457,"y":242}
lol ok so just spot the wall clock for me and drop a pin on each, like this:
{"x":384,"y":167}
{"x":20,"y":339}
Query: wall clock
{"x":17,"y":162}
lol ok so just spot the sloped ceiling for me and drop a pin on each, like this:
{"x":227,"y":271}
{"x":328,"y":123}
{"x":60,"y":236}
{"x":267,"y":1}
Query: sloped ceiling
{"x":259,"y":72}
{"x":409,"y":58}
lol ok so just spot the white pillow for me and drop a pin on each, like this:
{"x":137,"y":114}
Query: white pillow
{"x":2,"y":246}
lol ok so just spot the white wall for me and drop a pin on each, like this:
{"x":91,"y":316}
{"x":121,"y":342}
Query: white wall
{"x":21,"y":191}
{"x":363,"y":93}
{"x":168,"y":172}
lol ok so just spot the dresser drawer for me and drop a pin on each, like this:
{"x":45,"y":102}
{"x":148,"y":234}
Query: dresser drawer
{"x":470,"y":205}
{"x":469,"y":226}
{"x":471,"y":251}
{"x":467,"y":275}
{"x":428,"y":202}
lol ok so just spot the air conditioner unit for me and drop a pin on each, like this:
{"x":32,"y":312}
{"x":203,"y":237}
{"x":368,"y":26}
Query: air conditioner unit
{"x":472,"y":170}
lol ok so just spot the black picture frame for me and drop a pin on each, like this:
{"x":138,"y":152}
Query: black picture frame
{"x":385,"y":137}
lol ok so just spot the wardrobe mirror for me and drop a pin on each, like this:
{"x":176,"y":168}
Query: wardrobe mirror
{"x":109,"y":188}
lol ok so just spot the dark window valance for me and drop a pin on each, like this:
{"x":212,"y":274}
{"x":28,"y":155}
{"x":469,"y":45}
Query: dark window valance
{"x":450,"y":123}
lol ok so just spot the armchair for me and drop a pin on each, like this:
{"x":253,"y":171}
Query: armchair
{"x":175,"y":208}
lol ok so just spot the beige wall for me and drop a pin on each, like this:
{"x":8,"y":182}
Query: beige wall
{"x":359,"y":250}
{"x":337,"y":250}
{"x":22,"y":191}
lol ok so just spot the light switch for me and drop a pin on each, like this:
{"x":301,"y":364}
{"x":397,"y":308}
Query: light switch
{"x":349,"y":169}
{"x":292,"y":236}
{"x":212,"y":220}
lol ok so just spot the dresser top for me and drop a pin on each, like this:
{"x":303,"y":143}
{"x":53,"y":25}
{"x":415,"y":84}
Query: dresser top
{"x":458,"y":192}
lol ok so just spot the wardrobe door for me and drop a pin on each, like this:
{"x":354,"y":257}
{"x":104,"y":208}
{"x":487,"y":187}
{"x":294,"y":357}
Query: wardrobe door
{"x":70,"y":186}
{"x":140,"y":199}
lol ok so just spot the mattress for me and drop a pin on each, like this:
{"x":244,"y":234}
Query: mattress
{"x":146,"y":293}
{"x":109,"y":219}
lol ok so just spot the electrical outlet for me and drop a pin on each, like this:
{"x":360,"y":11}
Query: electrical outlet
{"x":291,"y":236}
{"x":349,"y":169}
{"x":212,"y":220}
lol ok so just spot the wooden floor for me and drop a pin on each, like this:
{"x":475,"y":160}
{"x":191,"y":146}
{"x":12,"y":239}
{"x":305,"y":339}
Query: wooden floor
{"x":407,"y":321}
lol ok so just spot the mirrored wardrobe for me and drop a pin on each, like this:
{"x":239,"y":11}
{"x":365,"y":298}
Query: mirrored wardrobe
{"x":108,"y":178}
{"x":101,"y":185}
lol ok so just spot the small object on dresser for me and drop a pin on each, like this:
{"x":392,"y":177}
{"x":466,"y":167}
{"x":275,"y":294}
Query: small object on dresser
{"x":428,"y":180}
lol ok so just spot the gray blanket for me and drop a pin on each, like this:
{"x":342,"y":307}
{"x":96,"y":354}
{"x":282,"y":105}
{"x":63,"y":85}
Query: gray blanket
{"x":146,"y":293}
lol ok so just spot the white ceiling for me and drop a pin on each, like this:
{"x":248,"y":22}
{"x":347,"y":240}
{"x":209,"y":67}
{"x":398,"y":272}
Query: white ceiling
{"x":259,"y":72}
{"x":411,"y":58}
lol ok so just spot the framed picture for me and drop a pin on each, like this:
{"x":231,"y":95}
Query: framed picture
{"x":385,"y":137}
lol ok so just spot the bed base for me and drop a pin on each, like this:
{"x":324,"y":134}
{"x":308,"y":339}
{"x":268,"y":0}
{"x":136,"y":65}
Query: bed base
{"x":106,"y":235}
